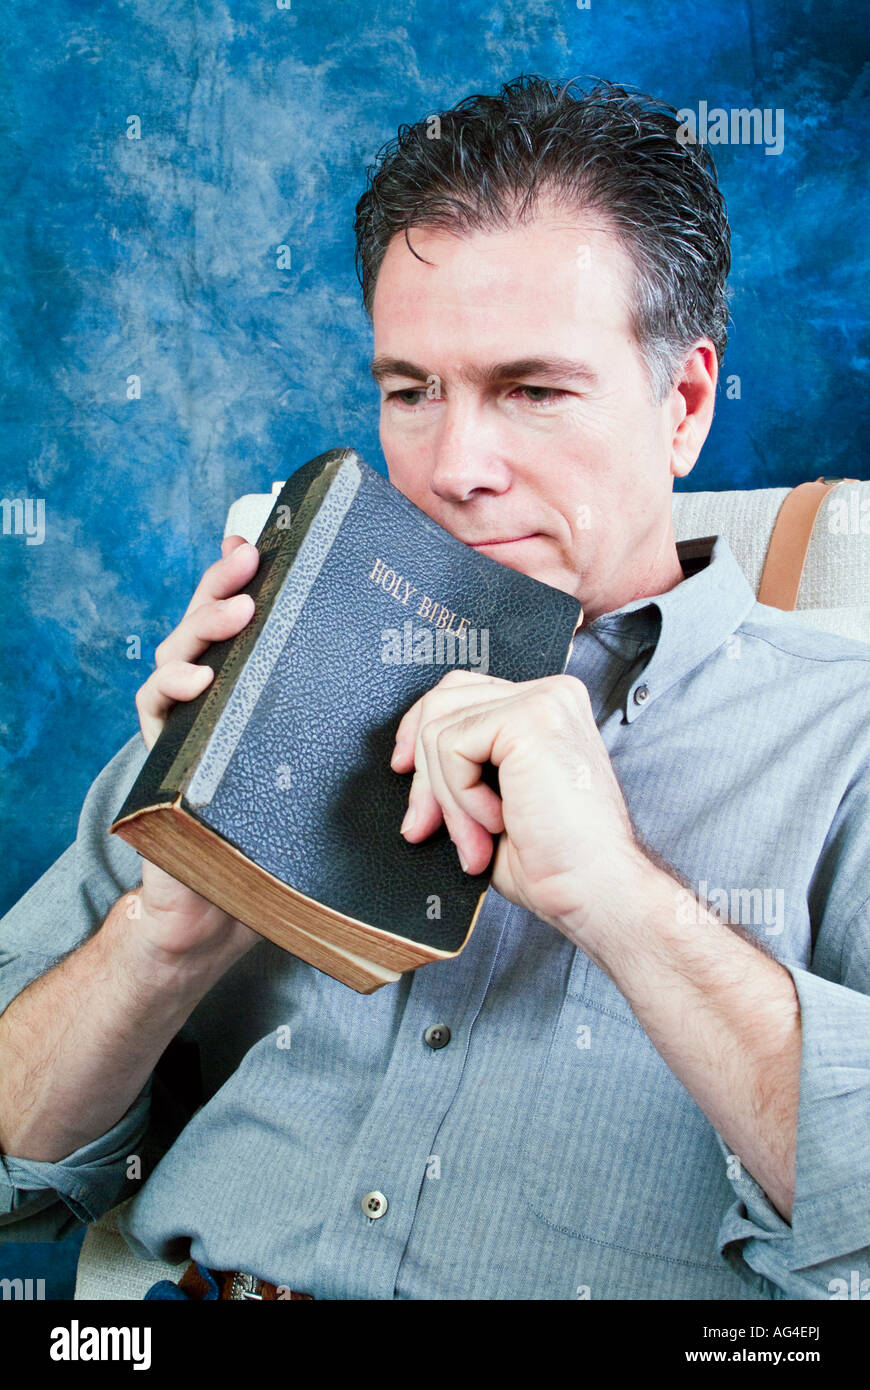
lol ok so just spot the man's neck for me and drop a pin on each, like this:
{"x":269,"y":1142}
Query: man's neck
{"x":658,"y":579}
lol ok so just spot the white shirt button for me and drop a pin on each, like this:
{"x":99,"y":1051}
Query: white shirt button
{"x":374,"y":1204}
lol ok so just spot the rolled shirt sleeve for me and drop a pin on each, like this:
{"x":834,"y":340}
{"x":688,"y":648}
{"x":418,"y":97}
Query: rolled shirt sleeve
{"x":40,"y":1200}
{"x":44,"y":1201}
{"x":825,"y":1252}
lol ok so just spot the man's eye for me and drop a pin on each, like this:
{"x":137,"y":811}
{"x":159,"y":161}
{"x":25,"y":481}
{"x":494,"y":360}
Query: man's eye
{"x":417,"y":393}
{"x":541,"y":395}
{"x":535,"y":395}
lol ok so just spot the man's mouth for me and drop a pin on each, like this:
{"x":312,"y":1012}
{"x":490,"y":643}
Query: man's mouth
{"x":506,"y":540}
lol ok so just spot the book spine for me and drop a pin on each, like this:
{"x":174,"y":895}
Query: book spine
{"x":280,"y":546}
{"x":323,"y":511}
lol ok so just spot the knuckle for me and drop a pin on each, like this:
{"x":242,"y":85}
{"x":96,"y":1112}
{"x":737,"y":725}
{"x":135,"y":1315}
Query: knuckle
{"x":574,"y":688}
{"x":455,"y":677}
{"x":568,"y":691}
{"x":170,"y":670}
{"x":550,"y":707}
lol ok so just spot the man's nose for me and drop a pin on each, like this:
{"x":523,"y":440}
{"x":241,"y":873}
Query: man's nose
{"x":469,"y":454}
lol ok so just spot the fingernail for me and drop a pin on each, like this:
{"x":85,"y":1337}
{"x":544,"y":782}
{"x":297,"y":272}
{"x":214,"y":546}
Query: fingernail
{"x":462,"y":863}
{"x":408,"y":822}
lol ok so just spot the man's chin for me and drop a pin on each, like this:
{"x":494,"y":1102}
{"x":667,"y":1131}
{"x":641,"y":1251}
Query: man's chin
{"x":532,"y":556}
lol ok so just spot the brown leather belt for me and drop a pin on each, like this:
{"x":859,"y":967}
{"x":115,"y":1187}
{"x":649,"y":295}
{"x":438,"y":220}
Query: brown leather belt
{"x":232,"y":1284}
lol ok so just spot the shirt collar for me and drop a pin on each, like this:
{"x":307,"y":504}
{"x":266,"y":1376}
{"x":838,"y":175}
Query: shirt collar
{"x":692,"y":620}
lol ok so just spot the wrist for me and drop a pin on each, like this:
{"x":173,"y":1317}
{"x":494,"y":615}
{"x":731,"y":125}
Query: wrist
{"x":614,"y":915}
{"x":140,"y":944}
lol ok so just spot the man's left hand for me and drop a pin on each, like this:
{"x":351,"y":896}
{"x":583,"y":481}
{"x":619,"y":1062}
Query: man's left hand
{"x":568,"y":843}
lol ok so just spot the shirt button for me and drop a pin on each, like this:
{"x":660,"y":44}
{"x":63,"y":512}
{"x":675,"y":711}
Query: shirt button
{"x":641,"y":695}
{"x":374,"y":1204}
{"x":438,"y":1035}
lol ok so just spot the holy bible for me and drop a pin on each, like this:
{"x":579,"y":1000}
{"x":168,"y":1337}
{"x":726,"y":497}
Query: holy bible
{"x":271,"y":794}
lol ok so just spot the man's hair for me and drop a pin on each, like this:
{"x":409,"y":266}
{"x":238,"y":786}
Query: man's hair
{"x":609,"y":150}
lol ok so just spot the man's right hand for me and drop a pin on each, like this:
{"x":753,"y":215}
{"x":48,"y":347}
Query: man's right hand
{"x":177,"y":923}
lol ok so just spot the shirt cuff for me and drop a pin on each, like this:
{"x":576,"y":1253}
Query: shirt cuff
{"x":828,"y":1240}
{"x":88,"y":1181}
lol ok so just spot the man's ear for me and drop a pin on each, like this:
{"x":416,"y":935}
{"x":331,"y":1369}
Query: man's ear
{"x":693,"y":397}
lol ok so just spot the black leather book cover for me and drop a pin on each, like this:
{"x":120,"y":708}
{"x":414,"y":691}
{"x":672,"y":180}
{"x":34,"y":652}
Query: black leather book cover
{"x":362,"y":604}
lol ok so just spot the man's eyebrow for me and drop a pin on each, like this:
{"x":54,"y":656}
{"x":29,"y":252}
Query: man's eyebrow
{"x":550,"y":368}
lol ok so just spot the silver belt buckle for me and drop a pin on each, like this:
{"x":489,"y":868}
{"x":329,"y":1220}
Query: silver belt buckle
{"x":245,"y":1286}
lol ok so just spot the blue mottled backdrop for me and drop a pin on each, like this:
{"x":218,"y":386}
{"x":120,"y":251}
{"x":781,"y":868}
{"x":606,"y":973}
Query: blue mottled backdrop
{"x":158,"y":362}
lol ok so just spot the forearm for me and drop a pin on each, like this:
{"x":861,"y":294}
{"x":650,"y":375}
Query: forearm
{"x":722,"y":1014}
{"x":79,"y":1043}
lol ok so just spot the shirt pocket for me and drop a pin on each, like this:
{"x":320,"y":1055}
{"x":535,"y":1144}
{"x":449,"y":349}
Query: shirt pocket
{"x":615,"y":1150}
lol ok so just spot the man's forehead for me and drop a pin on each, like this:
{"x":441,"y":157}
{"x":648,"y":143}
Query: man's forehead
{"x":531,"y":289}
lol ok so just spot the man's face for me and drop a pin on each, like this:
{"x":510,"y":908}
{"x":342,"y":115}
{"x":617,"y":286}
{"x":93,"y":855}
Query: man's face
{"x":536,"y":439}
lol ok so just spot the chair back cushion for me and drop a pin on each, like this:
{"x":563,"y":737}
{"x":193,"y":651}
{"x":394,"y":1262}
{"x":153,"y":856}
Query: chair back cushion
{"x":108,"y":1269}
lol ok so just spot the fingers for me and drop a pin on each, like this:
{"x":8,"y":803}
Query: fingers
{"x":174,"y":681}
{"x":455,"y":690}
{"x":231,"y":543}
{"x":238,"y":564}
{"x":214,"y":620}
{"x":459,"y":727}
{"x":430,"y":800}
{"x":216,"y":611}
{"x":456,"y":748}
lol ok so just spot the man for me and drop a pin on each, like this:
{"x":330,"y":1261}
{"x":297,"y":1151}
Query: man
{"x":612,"y":1092}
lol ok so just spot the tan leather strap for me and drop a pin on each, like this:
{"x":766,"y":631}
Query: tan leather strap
{"x":790,"y":541}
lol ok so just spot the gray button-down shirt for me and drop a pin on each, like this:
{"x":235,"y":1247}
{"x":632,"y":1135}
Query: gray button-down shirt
{"x":546,"y":1150}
